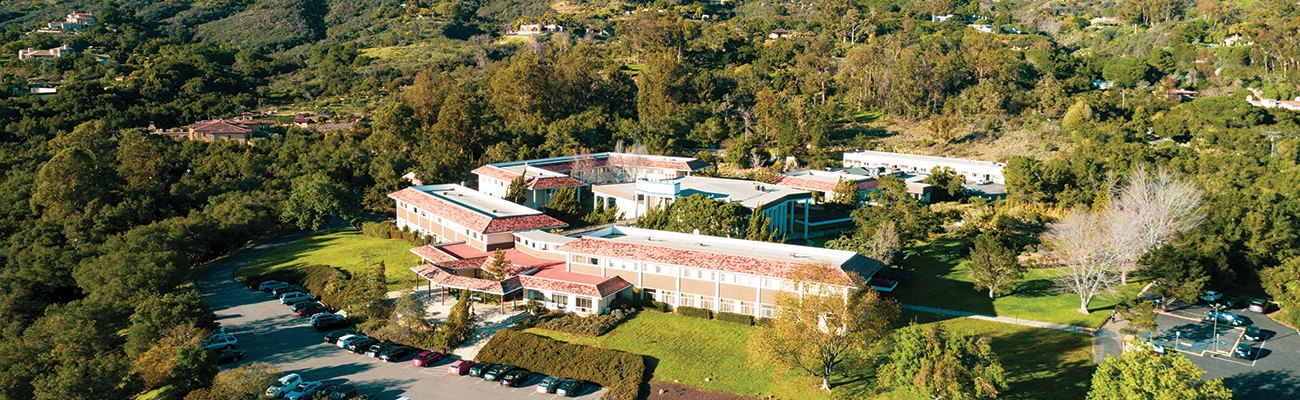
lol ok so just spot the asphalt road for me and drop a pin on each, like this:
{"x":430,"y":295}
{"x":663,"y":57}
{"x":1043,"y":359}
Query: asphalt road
{"x":269,"y":332}
{"x":1274,"y":375}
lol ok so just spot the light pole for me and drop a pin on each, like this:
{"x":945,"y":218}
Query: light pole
{"x":1216,"y":307}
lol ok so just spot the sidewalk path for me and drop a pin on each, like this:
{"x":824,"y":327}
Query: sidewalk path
{"x":1008,"y":320}
{"x":488,"y":319}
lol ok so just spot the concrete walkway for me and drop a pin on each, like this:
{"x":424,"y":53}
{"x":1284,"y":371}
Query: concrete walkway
{"x":1008,"y":320}
{"x":488,"y":319}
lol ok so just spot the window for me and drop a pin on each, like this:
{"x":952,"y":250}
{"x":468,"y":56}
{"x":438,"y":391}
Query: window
{"x":584,"y":304}
{"x":771,"y":284}
{"x":586,"y":260}
{"x":535,"y":295}
{"x":560,"y":300}
{"x":668,"y":297}
{"x":649,"y":294}
{"x":726,"y":305}
{"x":706,"y":302}
{"x":768,"y":311}
{"x":746,"y":308}
{"x":688,"y":300}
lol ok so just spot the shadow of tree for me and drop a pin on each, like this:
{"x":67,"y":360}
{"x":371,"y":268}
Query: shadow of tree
{"x":1269,"y":385}
{"x":1038,"y":364}
{"x":1036,"y":288}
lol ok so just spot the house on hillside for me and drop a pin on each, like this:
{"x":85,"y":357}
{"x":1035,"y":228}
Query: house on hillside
{"x":778,"y":33}
{"x":71,"y":22}
{"x":1271,"y":103}
{"x":1181,"y":95}
{"x":238,"y":129}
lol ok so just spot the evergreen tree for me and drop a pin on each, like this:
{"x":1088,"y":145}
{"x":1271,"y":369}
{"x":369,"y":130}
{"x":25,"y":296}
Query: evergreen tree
{"x":993,"y":264}
{"x":518,"y":190}
{"x":497,"y":269}
{"x":760,"y":228}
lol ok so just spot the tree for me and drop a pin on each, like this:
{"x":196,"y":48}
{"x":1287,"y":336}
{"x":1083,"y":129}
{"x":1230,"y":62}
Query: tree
{"x":1283,"y":283}
{"x":1149,"y":210}
{"x":1137,"y":375}
{"x":1178,"y":274}
{"x":564,"y":205}
{"x":69,"y":183}
{"x":938,"y":364}
{"x":1080,"y":242}
{"x":1126,"y":72}
{"x":497,"y":269}
{"x":1077,"y":116}
{"x":315,"y":199}
{"x":156,"y":314}
{"x":1140,"y":314}
{"x":824,"y":317}
{"x":760,"y":228}
{"x":458,"y":326}
{"x":993,"y":264}
{"x":409,"y":322}
{"x":948,"y":181}
{"x":846,"y":194}
{"x":244,"y":382}
{"x":179,"y":359}
{"x":891,"y":203}
{"x":698,"y":212}
{"x":518,"y":190}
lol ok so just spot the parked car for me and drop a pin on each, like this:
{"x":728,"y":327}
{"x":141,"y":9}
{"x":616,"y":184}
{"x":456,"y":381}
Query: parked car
{"x":345,"y":340}
{"x":495,"y":373}
{"x":228,"y":355}
{"x":395,"y":353}
{"x":341,"y":392}
{"x":1246,"y":351}
{"x":1211,"y":296}
{"x":549,"y":384}
{"x":312,"y":310}
{"x":1145,"y":345}
{"x":360,"y":346}
{"x":570,"y":387}
{"x":320,"y":392}
{"x":326,"y":321}
{"x":1232,"y":302}
{"x":426,"y":358}
{"x":305,"y":304}
{"x":374,"y":349}
{"x":333,"y":337}
{"x":1225,"y":317}
{"x":1259,"y":305}
{"x":220,"y":341}
{"x":460,"y":367}
{"x":283,"y":385}
{"x":289,"y":298}
{"x":302,"y":390}
{"x":480,"y":368}
{"x":287,"y":289}
{"x":514,"y":378}
{"x":270,"y":285}
{"x":1253,"y":333}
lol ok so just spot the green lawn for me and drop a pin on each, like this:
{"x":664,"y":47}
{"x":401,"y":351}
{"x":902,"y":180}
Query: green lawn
{"x":942,"y":282}
{"x":1040,"y":363}
{"x":343,"y":250}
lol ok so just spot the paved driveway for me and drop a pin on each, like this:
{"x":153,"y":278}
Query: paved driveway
{"x":1274,"y":375}
{"x":269,"y":332}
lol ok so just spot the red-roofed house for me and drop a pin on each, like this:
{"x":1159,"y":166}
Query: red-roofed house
{"x":454,"y":213}
{"x":824,"y":182}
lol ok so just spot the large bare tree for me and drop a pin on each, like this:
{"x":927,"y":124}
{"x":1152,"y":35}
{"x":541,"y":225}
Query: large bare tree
{"x":631,"y":161}
{"x":1080,"y":242}
{"x":1147,"y":212}
{"x":823,"y":319}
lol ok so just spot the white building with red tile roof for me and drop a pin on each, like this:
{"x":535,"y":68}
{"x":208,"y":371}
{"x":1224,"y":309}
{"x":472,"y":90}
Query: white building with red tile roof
{"x":824,"y":182}
{"x":546,"y":175}
{"x":779,"y":203}
{"x":454,"y":213}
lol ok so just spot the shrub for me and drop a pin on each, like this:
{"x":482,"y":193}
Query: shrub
{"x":594,"y":325}
{"x":693,"y":312}
{"x":623,"y":373}
{"x":734,"y":318}
{"x":763,"y":322}
{"x":661,"y":306}
{"x":378,"y":230}
{"x":620,"y":303}
{"x":327,"y":283}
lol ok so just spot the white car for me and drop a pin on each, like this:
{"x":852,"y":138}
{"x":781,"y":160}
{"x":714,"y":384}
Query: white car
{"x":284,"y":385}
{"x":343,"y":340}
{"x":302,"y":390}
{"x":294,"y":296}
{"x":271,"y":285}
{"x":220,"y":341}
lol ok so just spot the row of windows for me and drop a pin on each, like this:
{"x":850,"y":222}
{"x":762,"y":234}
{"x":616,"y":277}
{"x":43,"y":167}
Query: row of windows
{"x":706,"y":302}
{"x":691,"y":273}
{"x":561,"y":300}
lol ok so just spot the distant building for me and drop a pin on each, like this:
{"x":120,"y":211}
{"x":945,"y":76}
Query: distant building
{"x":1181,"y":95}
{"x":1105,"y":21}
{"x":940,"y":18}
{"x":1271,"y":103}
{"x":240,"y":130}
{"x":985,"y":28}
{"x":1102,"y":84}
{"x":973,"y":171}
{"x":73,"y":22}
{"x":545,"y":176}
{"x":30,"y":53}
{"x":778,"y":33}
{"x":454,"y":213}
{"x":777,"y":202}
{"x":824,"y":182}
{"x":537,"y":29}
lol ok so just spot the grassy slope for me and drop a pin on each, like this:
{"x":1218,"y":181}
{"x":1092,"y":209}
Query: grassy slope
{"x":342,"y":250}
{"x":1034,"y":297}
{"x":1040,"y":363}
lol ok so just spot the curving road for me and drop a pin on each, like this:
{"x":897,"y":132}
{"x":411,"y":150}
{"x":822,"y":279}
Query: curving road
{"x":269,"y":332}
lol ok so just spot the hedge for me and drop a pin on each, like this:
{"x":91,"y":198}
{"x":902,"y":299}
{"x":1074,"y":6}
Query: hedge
{"x":694,"y":312}
{"x":734,"y":318}
{"x":594,"y":325}
{"x":623,"y":373}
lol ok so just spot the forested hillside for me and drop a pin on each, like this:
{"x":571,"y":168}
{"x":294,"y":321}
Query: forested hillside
{"x":101,"y":222}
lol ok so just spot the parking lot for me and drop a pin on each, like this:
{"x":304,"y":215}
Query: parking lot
{"x":1274,"y":374}
{"x":269,"y":332}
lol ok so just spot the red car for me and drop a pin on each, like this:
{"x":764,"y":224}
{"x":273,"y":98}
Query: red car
{"x":312,"y":310}
{"x":460,"y":367}
{"x":426,"y":358}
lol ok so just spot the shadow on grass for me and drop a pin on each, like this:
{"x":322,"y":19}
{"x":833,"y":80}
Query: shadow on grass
{"x":938,"y":282}
{"x":1036,"y":288}
{"x":651,"y":364}
{"x":1263,"y":385}
{"x":1045,"y":364}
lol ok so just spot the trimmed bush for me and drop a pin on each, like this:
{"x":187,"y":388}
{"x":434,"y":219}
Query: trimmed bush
{"x":741,"y":319}
{"x":378,"y":230}
{"x":594,"y":325}
{"x":694,"y":312}
{"x":763,"y":322}
{"x":623,"y":373}
{"x":661,"y":306}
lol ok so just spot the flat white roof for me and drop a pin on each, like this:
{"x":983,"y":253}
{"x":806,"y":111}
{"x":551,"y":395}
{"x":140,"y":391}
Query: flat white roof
{"x":918,"y":160}
{"x":545,"y":237}
{"x":750,"y":194}
{"x":476,"y":201}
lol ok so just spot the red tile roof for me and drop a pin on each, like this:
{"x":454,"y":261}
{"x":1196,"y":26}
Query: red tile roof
{"x":442,"y":277}
{"x":471,"y":219}
{"x":703,"y":259}
{"x":818,"y":184}
{"x":432,"y":253}
{"x":654,"y":162}
{"x":460,"y":256}
{"x":606,"y":288}
{"x":447,"y":279}
{"x":554,"y":182}
{"x":496,"y":172}
{"x":868,"y":184}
